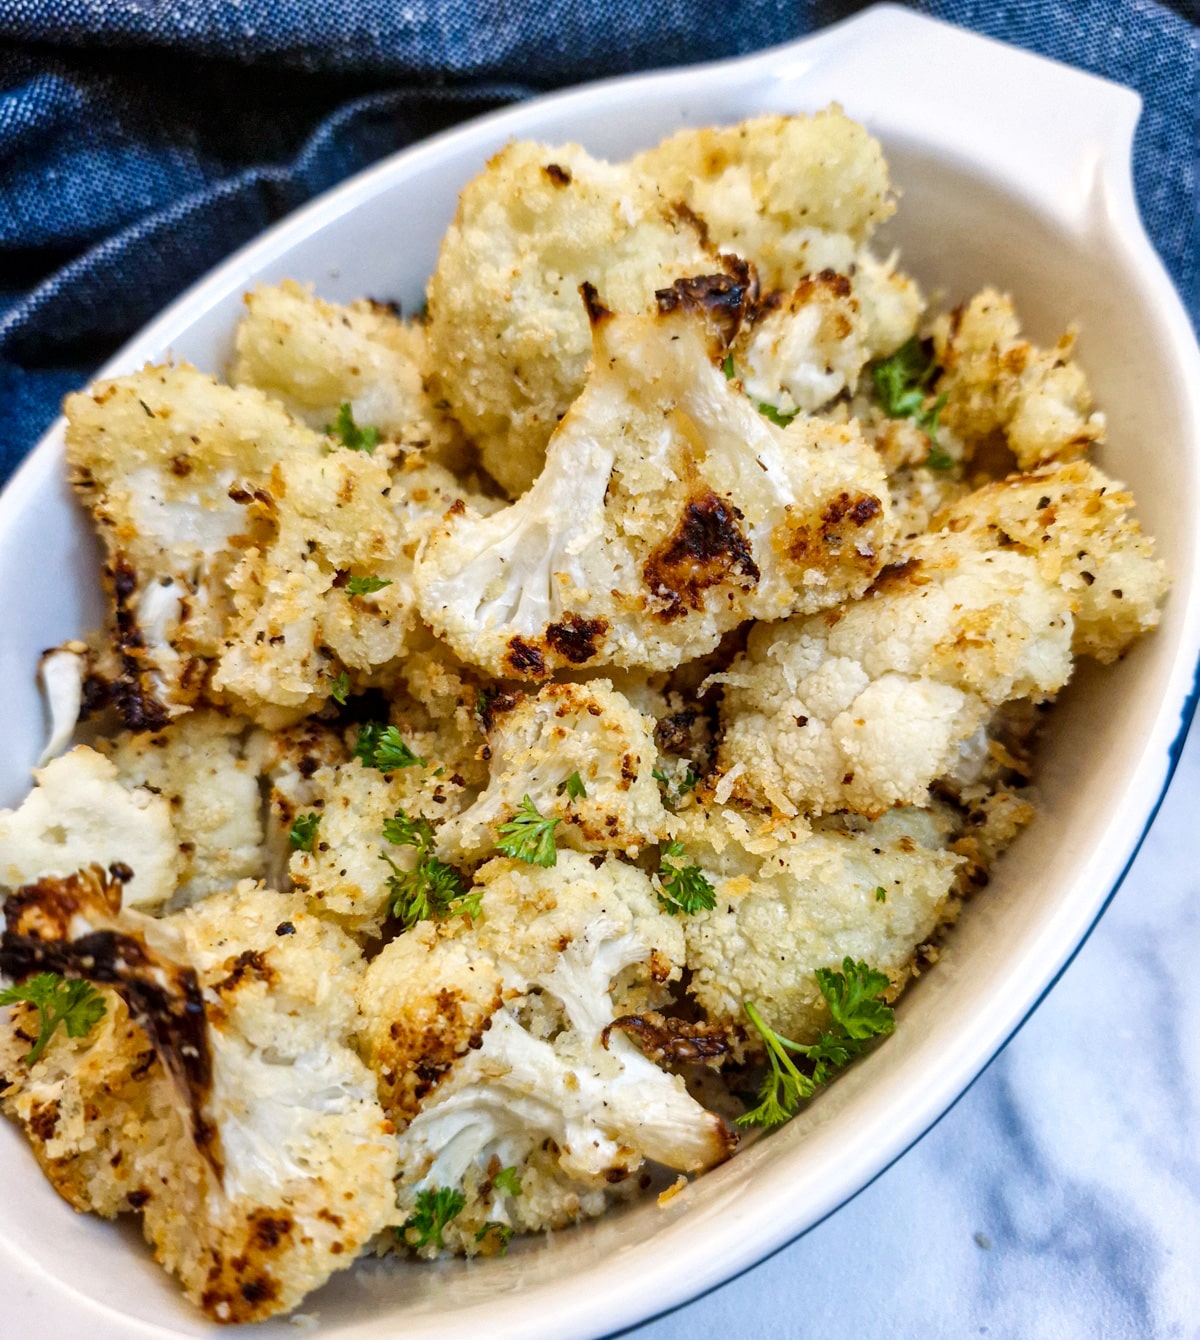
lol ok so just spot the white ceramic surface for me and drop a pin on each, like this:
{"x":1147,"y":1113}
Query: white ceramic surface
{"x":1014,"y":171}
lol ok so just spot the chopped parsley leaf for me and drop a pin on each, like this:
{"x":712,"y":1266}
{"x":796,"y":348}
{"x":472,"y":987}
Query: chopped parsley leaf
{"x":431,"y":890}
{"x":900,"y":385}
{"x":499,"y":1233}
{"x":381,"y":747}
{"x":433,"y":1211}
{"x":685,"y":887}
{"x":853,"y":996}
{"x":574,"y":787}
{"x":508,"y":1181}
{"x":366,"y":586}
{"x":304,"y":832}
{"x":354,"y":437}
{"x":780,"y":418}
{"x":881,"y":895}
{"x":59,"y":1000}
{"x":528,"y":837}
{"x":341,"y":687}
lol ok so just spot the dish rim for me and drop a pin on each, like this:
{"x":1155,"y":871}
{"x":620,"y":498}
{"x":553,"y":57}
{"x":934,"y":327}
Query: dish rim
{"x":237,"y":271}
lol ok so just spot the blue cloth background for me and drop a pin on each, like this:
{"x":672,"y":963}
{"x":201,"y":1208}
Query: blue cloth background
{"x":141,"y":141}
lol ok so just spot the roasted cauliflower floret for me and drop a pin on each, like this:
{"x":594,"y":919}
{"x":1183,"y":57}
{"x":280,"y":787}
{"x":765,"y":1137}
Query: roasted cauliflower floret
{"x":326,"y":587}
{"x":154,"y":456}
{"x":80,"y":814}
{"x":793,"y":194}
{"x":994,"y":381}
{"x":198,"y":765}
{"x":507,"y":335}
{"x":806,"y":347}
{"x":487,"y":1037}
{"x":538,"y":743}
{"x":315,"y":356}
{"x":791,"y":900}
{"x":669,"y":511}
{"x":345,"y":874}
{"x":285,"y":1172}
{"x":862,"y":709}
{"x":1075,"y":521}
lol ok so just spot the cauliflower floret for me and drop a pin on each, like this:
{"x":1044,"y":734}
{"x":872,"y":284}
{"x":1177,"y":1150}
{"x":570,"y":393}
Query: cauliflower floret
{"x":793,"y":194}
{"x":812,"y":344}
{"x":276,"y":1168}
{"x":198,"y":765}
{"x":863,"y":708}
{"x":154,"y":456}
{"x":322,"y":525}
{"x":994,"y":380}
{"x":78,"y":814}
{"x":669,"y":511}
{"x":789,"y":901}
{"x":345,"y":875}
{"x":508,"y":338}
{"x":538,"y":742}
{"x":487,"y":1037}
{"x":1074,"y":520}
{"x":314,"y":356}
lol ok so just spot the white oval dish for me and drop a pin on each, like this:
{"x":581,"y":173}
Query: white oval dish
{"x":1015,"y":172}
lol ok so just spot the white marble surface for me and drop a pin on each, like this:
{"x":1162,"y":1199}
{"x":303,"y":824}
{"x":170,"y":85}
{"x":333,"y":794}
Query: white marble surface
{"x":1060,"y":1198}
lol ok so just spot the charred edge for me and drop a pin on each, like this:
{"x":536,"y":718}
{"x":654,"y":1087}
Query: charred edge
{"x":597,"y":313}
{"x":575,"y":639}
{"x":97,"y":694}
{"x":721,"y":298}
{"x":250,"y":963}
{"x":686,"y":215}
{"x":493,"y":703}
{"x":138,"y":707}
{"x":858,"y":511}
{"x":707,"y":548}
{"x":673,"y":733}
{"x":524,"y":659}
{"x":672,"y":1040}
{"x":895,"y":574}
{"x":560,"y":176}
{"x":162,"y":996}
{"x":836,"y":283}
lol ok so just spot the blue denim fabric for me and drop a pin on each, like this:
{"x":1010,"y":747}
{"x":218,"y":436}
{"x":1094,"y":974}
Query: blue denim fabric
{"x":143,"y":140}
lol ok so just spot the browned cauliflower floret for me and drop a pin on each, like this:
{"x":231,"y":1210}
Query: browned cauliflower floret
{"x":487,"y":1036}
{"x":508,"y":337}
{"x":793,"y":194}
{"x":861,"y":709}
{"x":994,"y":381}
{"x":806,"y":347}
{"x":155,"y":456}
{"x":791,"y":900}
{"x":538,"y":744}
{"x":272,"y":1165}
{"x":198,"y":765}
{"x":315,"y":356}
{"x":79,"y":814}
{"x":669,"y":512}
{"x":1075,"y":521}
{"x":326,"y":586}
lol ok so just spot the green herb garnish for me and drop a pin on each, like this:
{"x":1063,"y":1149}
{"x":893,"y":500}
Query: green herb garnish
{"x":59,"y":1000}
{"x":341,"y":687}
{"x":508,"y":1181}
{"x":304,"y":832}
{"x":853,"y":996}
{"x":573,"y":787}
{"x":433,"y":1211}
{"x":366,"y":586}
{"x":380,"y":746}
{"x":528,"y":837}
{"x":900,"y":384}
{"x":685,"y":887}
{"x":354,"y":437}
{"x":431,"y":890}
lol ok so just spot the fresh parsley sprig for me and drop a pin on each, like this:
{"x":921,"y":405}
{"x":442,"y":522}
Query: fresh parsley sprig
{"x":380,"y":746}
{"x":431,"y":1214}
{"x":366,"y":586}
{"x":900,"y":385}
{"x":75,"y":1004}
{"x":431,"y":890}
{"x":685,"y":888}
{"x":354,"y":437}
{"x":853,"y":996}
{"x":573,"y":787}
{"x":304,"y":832}
{"x":528,"y":837}
{"x":507,"y":1180}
